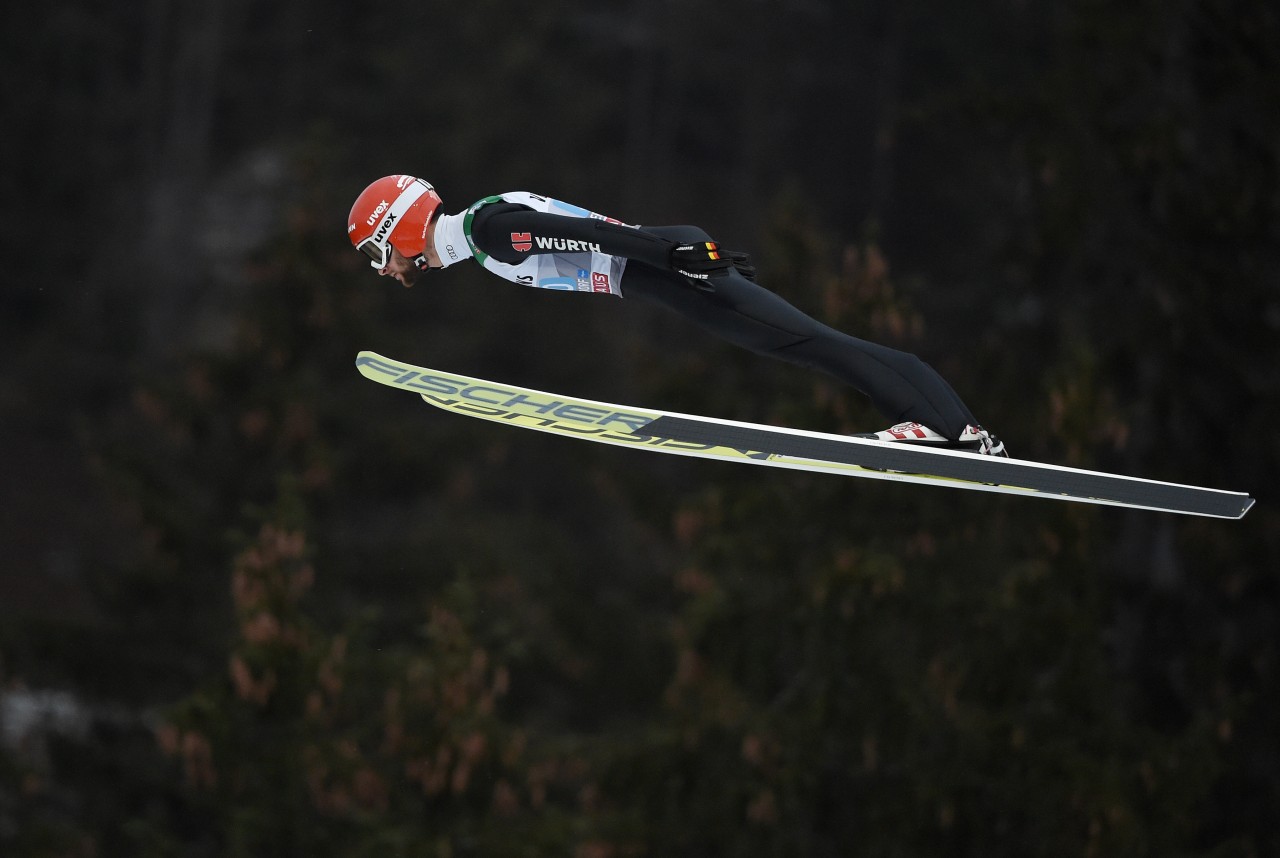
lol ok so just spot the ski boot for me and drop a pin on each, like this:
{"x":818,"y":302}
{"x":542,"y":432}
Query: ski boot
{"x":973,"y":439}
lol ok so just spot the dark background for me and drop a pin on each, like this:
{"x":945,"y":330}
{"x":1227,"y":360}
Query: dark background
{"x":251,"y":604}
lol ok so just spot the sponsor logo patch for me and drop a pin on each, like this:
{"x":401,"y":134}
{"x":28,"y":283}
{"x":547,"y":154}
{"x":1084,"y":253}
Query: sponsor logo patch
{"x":522,"y":241}
{"x":566,"y":244}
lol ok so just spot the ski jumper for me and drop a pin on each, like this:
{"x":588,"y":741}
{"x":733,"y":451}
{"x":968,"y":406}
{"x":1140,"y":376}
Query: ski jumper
{"x":545,"y":243}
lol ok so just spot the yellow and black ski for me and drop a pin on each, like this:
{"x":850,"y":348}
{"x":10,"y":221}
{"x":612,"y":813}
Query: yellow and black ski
{"x":728,"y":440}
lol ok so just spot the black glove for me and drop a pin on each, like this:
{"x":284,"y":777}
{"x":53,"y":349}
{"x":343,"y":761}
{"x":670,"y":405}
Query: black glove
{"x":743,"y":263}
{"x":700,"y":260}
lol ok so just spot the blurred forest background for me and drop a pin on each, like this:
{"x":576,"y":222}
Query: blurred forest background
{"x":252,"y":604}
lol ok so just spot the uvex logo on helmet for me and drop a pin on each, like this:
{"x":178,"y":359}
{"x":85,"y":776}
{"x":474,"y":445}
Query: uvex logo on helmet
{"x":383,"y":231}
{"x":382,"y":207}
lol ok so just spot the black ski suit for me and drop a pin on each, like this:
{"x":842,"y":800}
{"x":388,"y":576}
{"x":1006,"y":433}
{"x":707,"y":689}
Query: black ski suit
{"x":900,"y":385}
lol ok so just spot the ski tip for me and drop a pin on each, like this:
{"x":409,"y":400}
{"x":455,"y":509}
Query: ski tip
{"x":1246,"y":504}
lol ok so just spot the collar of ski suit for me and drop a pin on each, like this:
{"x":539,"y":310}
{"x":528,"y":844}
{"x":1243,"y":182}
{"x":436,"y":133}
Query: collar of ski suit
{"x":451,"y":240}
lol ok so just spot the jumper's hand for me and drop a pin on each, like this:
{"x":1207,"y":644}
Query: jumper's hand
{"x":700,"y":260}
{"x":742,"y":262}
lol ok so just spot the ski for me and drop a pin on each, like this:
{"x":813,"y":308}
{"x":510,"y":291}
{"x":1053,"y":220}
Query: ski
{"x":728,"y":440}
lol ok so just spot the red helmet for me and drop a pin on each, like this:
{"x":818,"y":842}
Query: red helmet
{"x":393,"y":212}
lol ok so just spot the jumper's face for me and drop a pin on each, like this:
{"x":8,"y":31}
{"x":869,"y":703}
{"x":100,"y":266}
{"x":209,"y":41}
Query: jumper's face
{"x":400,"y":268}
